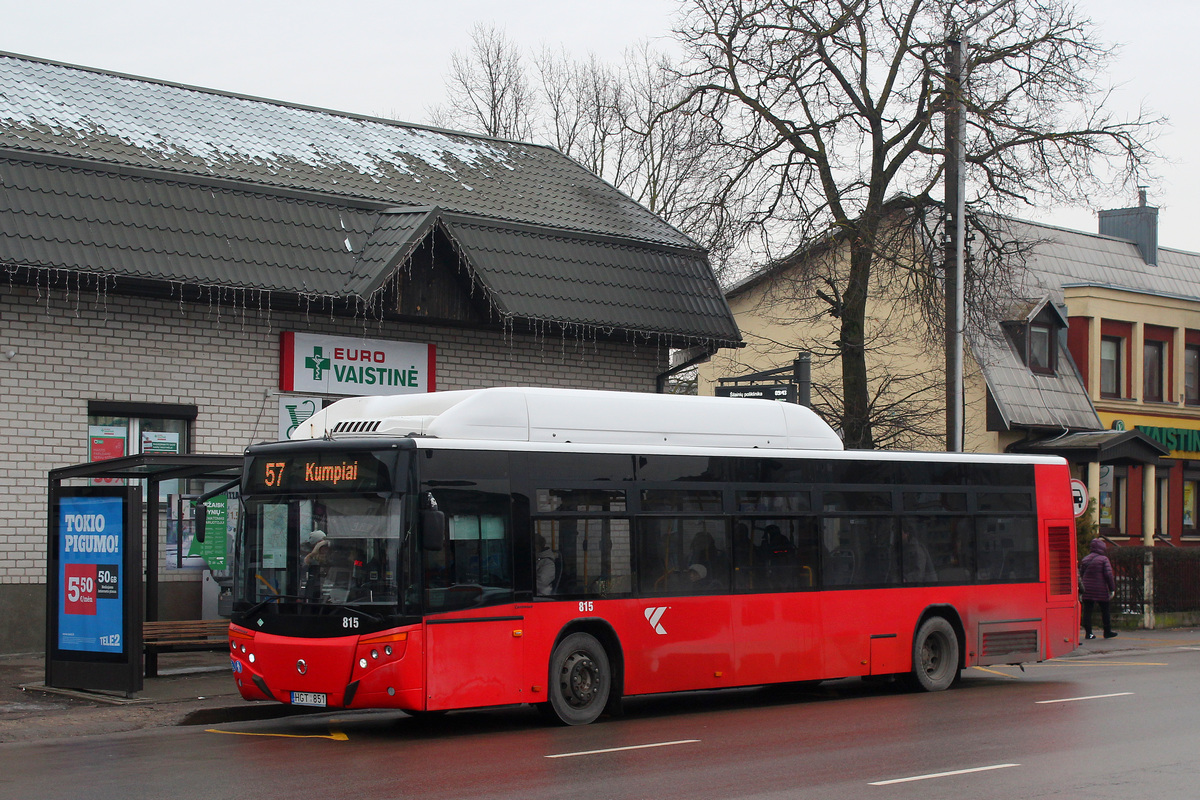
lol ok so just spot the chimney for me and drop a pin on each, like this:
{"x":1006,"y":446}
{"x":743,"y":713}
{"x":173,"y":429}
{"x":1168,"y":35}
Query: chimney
{"x":1139,"y":225}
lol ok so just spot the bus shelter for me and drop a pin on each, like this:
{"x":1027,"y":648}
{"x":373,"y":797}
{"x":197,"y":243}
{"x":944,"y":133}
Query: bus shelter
{"x":78,"y":585}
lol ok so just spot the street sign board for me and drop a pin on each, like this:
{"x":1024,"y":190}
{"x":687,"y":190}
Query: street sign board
{"x":783,"y":392}
{"x":1079,"y":496}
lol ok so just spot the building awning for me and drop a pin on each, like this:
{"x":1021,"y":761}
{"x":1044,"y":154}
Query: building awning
{"x":1123,"y":448}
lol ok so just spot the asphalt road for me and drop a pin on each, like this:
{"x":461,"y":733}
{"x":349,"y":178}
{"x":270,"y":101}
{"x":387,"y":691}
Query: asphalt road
{"x":1116,"y":725}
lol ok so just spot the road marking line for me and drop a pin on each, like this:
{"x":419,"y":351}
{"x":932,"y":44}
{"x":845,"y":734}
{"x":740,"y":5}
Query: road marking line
{"x":619,"y":749}
{"x":996,"y":672}
{"x":941,"y":774}
{"x":1189,"y":648}
{"x":1089,"y":697}
{"x":1074,"y":663}
{"x":337,"y":736}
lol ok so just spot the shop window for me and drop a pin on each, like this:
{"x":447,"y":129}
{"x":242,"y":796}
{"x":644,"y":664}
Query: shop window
{"x":127,"y":429}
{"x":1152,"y":371}
{"x":1111,"y":370}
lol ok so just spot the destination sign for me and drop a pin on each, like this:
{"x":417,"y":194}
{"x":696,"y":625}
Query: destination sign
{"x":318,"y":472}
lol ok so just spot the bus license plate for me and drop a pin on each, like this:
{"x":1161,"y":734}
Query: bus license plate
{"x":308,"y":699}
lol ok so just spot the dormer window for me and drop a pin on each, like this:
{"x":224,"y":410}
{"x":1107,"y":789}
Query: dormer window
{"x":1036,"y":337}
{"x":1042,"y":351}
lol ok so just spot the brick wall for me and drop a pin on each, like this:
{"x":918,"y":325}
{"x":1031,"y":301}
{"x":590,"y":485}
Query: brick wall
{"x":70,"y":347}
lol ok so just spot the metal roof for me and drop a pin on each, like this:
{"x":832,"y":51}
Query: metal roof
{"x":1107,"y":447}
{"x":1061,"y":258}
{"x":1064,"y":258}
{"x":64,"y":110}
{"x":131,"y":178}
{"x":1028,"y":399}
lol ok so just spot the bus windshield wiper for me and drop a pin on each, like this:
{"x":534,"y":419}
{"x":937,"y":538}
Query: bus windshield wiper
{"x":271,"y":599}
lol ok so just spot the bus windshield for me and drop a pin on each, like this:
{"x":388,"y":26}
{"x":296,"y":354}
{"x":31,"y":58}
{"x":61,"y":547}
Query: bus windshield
{"x":321,"y":550}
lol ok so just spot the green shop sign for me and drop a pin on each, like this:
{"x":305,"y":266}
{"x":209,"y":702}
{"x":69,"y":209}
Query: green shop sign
{"x":1183,"y":439}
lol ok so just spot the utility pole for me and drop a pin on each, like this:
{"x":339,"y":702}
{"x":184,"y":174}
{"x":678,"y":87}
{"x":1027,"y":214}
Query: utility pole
{"x":955,"y":234}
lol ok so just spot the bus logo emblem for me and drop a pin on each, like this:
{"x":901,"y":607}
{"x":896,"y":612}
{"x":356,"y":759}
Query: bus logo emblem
{"x":653,"y":615}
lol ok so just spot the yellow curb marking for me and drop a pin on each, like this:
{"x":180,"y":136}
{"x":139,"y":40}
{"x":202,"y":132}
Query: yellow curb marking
{"x":995,"y":672}
{"x":337,"y":736}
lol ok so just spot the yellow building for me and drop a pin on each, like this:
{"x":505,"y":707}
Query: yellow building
{"x":1097,"y":358}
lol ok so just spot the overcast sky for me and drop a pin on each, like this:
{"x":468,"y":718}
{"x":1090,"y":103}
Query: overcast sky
{"x":389,"y":58}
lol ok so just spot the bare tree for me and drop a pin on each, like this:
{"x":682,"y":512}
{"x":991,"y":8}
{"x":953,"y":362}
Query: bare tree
{"x":487,"y":89}
{"x":583,"y":110}
{"x":610,"y":118}
{"x":678,"y":162}
{"x":833,"y":108}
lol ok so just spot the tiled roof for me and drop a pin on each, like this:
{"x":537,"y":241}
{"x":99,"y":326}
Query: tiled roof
{"x":58,"y":217}
{"x":132,"y":178}
{"x":70,"y":111}
{"x":63,"y":217}
{"x":592,"y":281}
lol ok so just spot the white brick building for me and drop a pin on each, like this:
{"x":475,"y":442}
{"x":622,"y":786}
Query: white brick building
{"x":149,"y":276}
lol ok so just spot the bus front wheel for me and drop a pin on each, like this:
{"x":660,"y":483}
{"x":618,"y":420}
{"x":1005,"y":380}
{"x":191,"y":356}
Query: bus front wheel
{"x":935,"y":655}
{"x":580,"y":679}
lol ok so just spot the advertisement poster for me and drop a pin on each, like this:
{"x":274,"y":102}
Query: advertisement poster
{"x":1107,"y":488}
{"x":91,"y":546}
{"x":215,"y":546}
{"x":160,"y":442}
{"x":105,"y":442}
{"x":1189,"y":504}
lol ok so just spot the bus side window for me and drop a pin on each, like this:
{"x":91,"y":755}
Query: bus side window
{"x":591,"y":556}
{"x":743,"y":556}
{"x":474,"y":566}
{"x":840,"y":560}
{"x":659,"y":555}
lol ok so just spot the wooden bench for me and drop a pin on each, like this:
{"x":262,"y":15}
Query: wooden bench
{"x":175,"y":635}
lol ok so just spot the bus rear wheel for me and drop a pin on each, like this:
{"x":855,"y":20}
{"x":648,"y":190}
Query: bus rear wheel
{"x":935,"y":655}
{"x":580,"y":679}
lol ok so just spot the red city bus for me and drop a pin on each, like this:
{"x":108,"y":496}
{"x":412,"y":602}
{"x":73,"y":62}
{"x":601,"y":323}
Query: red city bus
{"x":570,"y":548}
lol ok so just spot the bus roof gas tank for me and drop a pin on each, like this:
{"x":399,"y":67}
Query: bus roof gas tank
{"x":576,"y":416}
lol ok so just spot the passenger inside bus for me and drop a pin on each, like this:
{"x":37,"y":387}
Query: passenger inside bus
{"x":706,"y":553}
{"x":548,"y":570}
{"x":315,"y":550}
{"x":918,"y":564}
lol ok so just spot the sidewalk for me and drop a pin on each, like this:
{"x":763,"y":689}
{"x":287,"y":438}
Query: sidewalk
{"x":191,"y":689}
{"x":1137,"y":640}
{"x":198,"y":689}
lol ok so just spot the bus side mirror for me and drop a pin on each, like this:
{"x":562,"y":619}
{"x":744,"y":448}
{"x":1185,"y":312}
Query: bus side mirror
{"x":433,"y":529}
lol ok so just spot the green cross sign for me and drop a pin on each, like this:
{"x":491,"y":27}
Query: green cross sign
{"x":317,"y":363}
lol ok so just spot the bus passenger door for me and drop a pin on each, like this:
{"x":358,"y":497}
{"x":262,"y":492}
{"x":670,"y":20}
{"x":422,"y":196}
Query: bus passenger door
{"x":474,"y":662}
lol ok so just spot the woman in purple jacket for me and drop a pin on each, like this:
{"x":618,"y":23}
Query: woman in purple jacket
{"x":1097,"y":582}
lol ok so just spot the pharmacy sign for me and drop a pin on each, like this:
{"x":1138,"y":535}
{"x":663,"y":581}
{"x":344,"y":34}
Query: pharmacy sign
{"x":351,"y":366}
